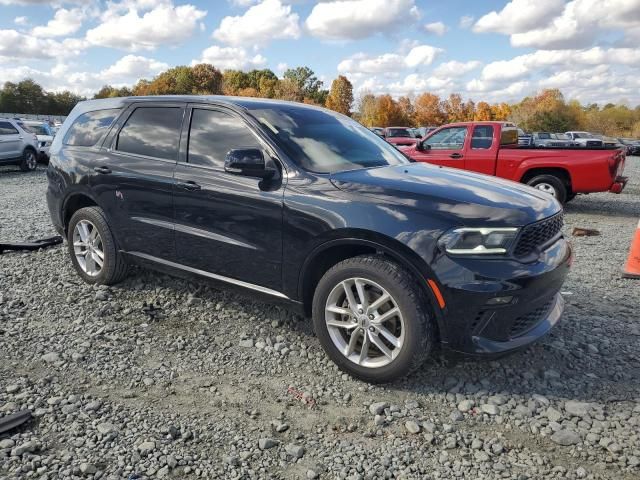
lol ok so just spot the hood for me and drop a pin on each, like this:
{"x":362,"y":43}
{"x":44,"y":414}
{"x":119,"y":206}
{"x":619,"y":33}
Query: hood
{"x":402,"y":140}
{"x":475,"y":199}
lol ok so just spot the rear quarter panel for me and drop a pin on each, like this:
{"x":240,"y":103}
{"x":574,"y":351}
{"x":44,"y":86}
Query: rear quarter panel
{"x":588,"y":170}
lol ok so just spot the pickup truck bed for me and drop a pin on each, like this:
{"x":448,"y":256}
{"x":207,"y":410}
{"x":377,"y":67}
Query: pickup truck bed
{"x":492,"y":148}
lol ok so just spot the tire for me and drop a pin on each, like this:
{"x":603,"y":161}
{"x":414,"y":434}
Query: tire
{"x":550,"y":184}
{"x":114,"y":268}
{"x":412,"y":329}
{"x":29,"y":160}
{"x":570,"y":197}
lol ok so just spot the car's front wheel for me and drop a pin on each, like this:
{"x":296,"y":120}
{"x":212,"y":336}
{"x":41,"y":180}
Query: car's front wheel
{"x":29,"y":160}
{"x":372,"y":319}
{"x":93,"y":249}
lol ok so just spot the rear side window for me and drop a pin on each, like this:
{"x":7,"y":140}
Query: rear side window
{"x":482,"y":137}
{"x":7,"y":129}
{"x":152,"y":131}
{"x":213,"y":134}
{"x":89,"y":127}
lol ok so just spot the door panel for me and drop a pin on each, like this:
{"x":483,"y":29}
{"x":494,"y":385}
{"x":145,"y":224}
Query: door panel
{"x":226,"y":224}
{"x":447,"y":148}
{"x":481,"y":155}
{"x":10,"y":141}
{"x":137,"y":189}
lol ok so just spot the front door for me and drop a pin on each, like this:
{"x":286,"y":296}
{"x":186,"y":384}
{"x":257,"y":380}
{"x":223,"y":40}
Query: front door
{"x":228,"y":225}
{"x":134,"y":178}
{"x":445,"y":147}
{"x":10,"y":141}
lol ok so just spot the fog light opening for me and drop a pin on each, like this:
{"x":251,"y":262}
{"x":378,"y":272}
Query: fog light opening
{"x":500,"y":300}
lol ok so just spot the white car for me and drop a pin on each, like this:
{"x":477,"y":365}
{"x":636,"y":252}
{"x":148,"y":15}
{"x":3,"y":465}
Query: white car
{"x":584,"y":139}
{"x":43,"y":133}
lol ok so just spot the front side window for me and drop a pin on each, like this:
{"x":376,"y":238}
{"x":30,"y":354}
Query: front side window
{"x":451,"y":138}
{"x":89,"y":127}
{"x":324,"y":142}
{"x":482,"y":137}
{"x":7,"y":129}
{"x":212,"y":134}
{"x":152,"y":131}
{"x":544,"y":136}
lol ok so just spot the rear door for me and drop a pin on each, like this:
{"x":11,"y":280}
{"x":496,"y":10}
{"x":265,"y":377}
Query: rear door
{"x":445,"y":147}
{"x":134,"y":179}
{"x":226,"y":224}
{"x":10,"y":141}
{"x":482,"y":152}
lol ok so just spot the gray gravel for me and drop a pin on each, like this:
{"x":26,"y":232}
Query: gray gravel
{"x":214,"y":385}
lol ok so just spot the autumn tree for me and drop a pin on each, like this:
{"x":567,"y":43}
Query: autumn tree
{"x":308,"y":84}
{"x":454,"y":108}
{"x":107,"y":91}
{"x":482,"y":112}
{"x":340,"y":96}
{"x":428,"y":111}
{"x":366,"y":109}
{"x":207,"y":79}
{"x":388,"y":112}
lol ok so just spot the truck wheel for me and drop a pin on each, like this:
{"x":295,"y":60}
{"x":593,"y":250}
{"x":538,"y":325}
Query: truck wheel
{"x":29,"y":160}
{"x":92,"y":248}
{"x":372,"y":319}
{"x":550,"y":184}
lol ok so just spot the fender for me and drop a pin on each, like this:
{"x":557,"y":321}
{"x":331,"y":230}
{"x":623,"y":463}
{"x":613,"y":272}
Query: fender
{"x":394,"y":249}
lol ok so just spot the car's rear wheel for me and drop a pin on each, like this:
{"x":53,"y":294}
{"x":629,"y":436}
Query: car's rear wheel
{"x":29,"y":160}
{"x":372,"y":319}
{"x":551,"y":185}
{"x":93,"y":249}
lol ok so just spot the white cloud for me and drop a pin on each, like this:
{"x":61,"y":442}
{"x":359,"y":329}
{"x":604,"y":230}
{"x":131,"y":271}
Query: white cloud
{"x":414,"y":83}
{"x":361,"y":63}
{"x":519,"y":16}
{"x":265,"y":21}
{"x":235,"y":58}
{"x":18,"y":46}
{"x":64,"y":22}
{"x":436,"y":28}
{"x":131,"y":68}
{"x":282,"y":66}
{"x":21,"y":20}
{"x":163,"y":24}
{"x":466,"y":21}
{"x":576,"y":24}
{"x":354,"y":19}
{"x":454,"y":68}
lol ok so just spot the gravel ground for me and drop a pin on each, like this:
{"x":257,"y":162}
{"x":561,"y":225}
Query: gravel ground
{"x":198,"y":386}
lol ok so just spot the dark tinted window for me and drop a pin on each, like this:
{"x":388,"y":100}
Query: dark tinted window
{"x":321,"y":141}
{"x":213,"y":134}
{"x":152,"y":131}
{"x":7,"y":129}
{"x":399,"y":132}
{"x":451,"y":138}
{"x":482,"y":137}
{"x":89,"y":127}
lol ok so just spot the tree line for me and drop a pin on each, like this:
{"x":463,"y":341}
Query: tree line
{"x":546,"y":111}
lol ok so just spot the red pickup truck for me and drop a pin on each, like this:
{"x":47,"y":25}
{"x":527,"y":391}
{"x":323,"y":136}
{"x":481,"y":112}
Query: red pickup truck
{"x":492,"y":148}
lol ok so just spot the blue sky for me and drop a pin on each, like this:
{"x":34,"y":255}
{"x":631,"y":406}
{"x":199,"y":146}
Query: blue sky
{"x":490,"y":50}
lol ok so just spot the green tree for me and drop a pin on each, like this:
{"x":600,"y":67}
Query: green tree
{"x":340,"y":96}
{"x":308,"y":84}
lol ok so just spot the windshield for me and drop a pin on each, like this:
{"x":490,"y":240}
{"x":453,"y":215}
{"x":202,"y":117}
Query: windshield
{"x":400,"y":132}
{"x":324,"y":142}
{"x":40,"y":129}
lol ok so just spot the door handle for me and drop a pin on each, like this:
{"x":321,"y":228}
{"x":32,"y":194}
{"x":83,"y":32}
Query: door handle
{"x":456,"y":155}
{"x":103,"y":170}
{"x":190,"y":185}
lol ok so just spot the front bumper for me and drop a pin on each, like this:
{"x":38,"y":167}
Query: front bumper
{"x":472,"y":324}
{"x":619,"y":184}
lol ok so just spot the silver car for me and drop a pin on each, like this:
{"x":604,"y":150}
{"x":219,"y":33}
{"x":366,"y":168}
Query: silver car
{"x":43,"y":133}
{"x":546,"y":139}
{"x":17,"y":145}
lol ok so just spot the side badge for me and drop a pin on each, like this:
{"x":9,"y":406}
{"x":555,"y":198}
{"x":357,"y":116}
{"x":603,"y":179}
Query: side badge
{"x":119,"y":195}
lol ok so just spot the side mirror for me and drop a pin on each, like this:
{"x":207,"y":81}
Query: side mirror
{"x":249,"y":162}
{"x":423,"y":147}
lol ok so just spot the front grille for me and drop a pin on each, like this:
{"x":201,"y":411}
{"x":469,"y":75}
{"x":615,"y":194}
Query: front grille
{"x":538,"y":234}
{"x":524,"y":323}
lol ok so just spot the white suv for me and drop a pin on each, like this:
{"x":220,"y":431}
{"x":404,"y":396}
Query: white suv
{"x":17,"y":146}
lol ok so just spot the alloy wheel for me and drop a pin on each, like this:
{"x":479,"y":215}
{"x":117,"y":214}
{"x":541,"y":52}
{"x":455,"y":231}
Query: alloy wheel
{"x":88,"y":248}
{"x":364,"y":322}
{"x":546,"y":188}
{"x":31,"y":160}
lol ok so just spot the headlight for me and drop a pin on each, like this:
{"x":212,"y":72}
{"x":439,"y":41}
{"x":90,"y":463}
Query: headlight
{"x":478,"y":241}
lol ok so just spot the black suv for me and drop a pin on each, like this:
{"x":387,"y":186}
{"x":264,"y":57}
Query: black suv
{"x":306,"y":206}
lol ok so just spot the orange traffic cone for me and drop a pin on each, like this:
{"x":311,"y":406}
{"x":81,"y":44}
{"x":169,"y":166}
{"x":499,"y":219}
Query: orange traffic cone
{"x":632,"y":268}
